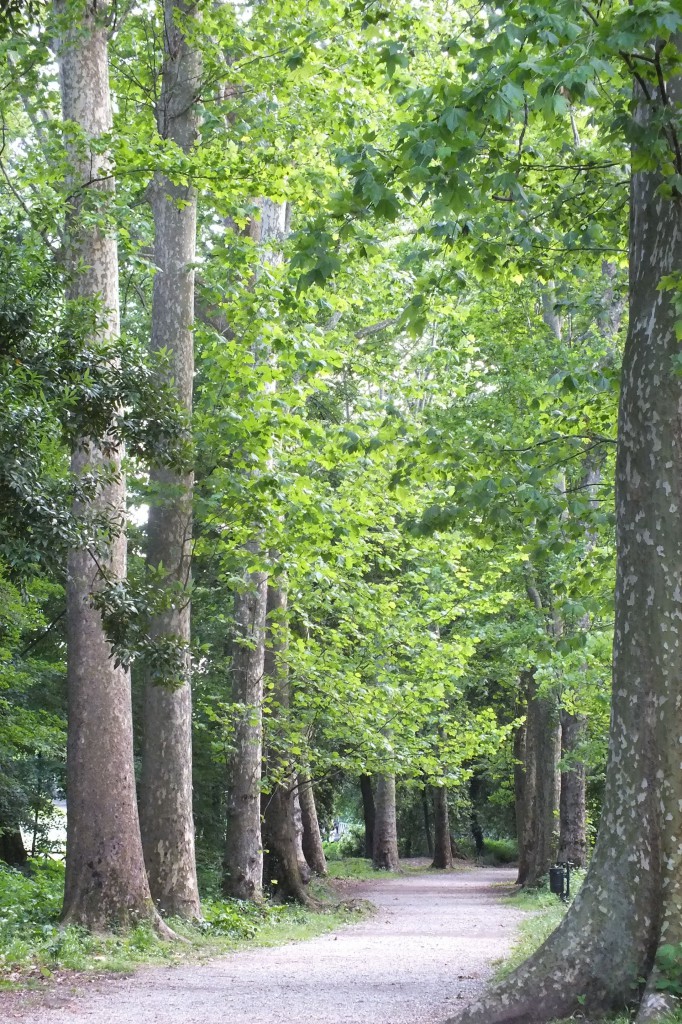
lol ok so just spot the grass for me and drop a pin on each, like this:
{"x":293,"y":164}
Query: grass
{"x":545,"y":914}
{"x":361,"y":868}
{"x":33,"y":946}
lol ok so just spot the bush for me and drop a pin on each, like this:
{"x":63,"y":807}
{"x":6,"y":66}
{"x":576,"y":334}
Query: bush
{"x":495,"y":851}
{"x":500,"y":851}
{"x":352,"y":842}
{"x":331,"y":851}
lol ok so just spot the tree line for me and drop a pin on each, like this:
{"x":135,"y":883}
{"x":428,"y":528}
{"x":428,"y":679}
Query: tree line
{"x":314,"y":396}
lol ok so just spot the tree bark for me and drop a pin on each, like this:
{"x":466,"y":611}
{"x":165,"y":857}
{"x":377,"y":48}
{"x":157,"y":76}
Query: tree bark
{"x":572,"y":834}
{"x":285,"y":863}
{"x":369,"y":814}
{"x":385,"y":855}
{"x":543,"y":750}
{"x":524,"y":780}
{"x":442,"y":853}
{"x":12,"y":849}
{"x":254,"y":661}
{"x":166,"y":791}
{"x":106,"y":883}
{"x":630,"y":902}
{"x":312,"y":838}
{"x":537,"y":783}
{"x":243,"y":862}
{"x":427,"y":821}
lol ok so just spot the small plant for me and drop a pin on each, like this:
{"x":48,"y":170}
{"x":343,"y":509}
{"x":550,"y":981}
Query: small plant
{"x":669,"y":963}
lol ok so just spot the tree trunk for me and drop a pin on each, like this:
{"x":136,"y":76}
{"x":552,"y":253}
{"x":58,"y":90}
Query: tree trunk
{"x":572,"y":836}
{"x":283,"y":858}
{"x":442,"y":854}
{"x":286,"y":865}
{"x":312,"y":839}
{"x":369,"y":814}
{"x":630,"y":902}
{"x":12,"y":849}
{"x":427,"y":821}
{"x":524,"y":779}
{"x":385,"y":830}
{"x":243,"y":863}
{"x":543,"y":750}
{"x":166,"y":791}
{"x":106,"y":883}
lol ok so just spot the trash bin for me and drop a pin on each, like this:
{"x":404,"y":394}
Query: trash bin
{"x":557,"y":880}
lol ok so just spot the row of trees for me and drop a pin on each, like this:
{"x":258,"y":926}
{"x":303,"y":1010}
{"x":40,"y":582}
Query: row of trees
{"x":310,"y":332}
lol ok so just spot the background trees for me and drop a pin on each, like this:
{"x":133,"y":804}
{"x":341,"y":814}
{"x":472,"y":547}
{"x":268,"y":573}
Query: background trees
{"x":403,"y":418}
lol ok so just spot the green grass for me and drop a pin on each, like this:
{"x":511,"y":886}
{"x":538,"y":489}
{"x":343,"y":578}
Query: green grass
{"x":545,"y":914}
{"x":34,"y":946}
{"x":359,"y":867}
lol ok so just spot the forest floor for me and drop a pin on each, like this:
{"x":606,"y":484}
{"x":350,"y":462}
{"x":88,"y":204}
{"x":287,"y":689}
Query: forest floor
{"x":429,"y":947}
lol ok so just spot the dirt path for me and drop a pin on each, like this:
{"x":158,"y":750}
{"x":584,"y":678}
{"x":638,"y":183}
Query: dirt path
{"x":429,"y":947}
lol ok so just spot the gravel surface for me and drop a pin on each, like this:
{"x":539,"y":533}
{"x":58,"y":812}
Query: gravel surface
{"x":429,"y":947}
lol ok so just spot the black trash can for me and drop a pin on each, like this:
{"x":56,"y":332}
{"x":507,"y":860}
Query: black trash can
{"x":557,"y":880}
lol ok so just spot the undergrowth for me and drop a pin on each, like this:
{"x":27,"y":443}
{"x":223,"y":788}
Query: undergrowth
{"x":33,"y":945}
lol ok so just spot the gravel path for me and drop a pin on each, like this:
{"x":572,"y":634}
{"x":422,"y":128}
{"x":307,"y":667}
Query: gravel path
{"x":429,"y":947}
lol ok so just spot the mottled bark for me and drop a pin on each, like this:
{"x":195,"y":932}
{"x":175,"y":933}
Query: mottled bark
{"x":243,"y":862}
{"x":442,"y":847}
{"x":166,"y":792}
{"x":572,"y":823}
{"x":106,"y":883}
{"x":385,"y":855}
{"x":312,"y":838}
{"x":368,"y":813}
{"x":631,"y":901}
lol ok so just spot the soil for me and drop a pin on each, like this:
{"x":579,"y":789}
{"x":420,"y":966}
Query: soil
{"x":430,"y":947}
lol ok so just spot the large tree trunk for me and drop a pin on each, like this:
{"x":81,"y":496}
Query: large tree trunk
{"x":543,"y":750}
{"x":442,"y":852}
{"x":524,"y":781}
{"x":572,"y":834}
{"x":385,"y":854}
{"x":243,"y":865}
{"x":630,"y":902}
{"x":243,"y":862}
{"x":106,"y":883}
{"x":166,"y":792}
{"x":537,"y":783}
{"x":312,"y":838}
{"x":285,"y":864}
{"x":368,"y":813}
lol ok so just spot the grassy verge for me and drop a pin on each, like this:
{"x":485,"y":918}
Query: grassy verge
{"x":545,"y":914}
{"x":34,"y":947}
{"x":358,"y":867}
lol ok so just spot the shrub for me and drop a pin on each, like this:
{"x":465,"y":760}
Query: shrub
{"x":352,"y":842}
